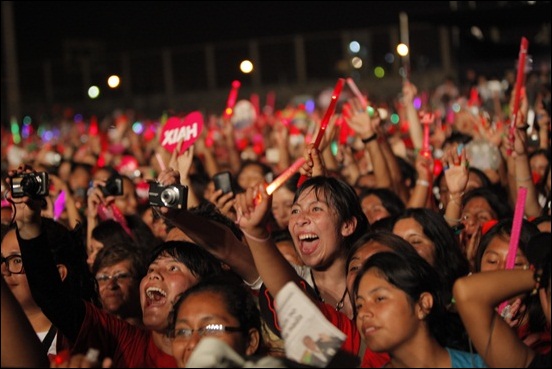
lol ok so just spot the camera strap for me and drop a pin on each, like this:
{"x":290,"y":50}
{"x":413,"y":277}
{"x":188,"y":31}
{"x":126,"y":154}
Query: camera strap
{"x":47,"y":341}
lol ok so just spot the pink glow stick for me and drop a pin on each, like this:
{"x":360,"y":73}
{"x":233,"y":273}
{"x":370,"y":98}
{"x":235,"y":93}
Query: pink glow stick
{"x":232,"y":98}
{"x":59,"y":205}
{"x":517,"y":92}
{"x":356,"y":91}
{"x":326,"y":119}
{"x":514,"y":238}
{"x":160,"y":161}
{"x":284,"y":176}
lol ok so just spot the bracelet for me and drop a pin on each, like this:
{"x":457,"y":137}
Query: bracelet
{"x":422,"y":182}
{"x":452,"y":219}
{"x":524,"y":179}
{"x":369,"y":139}
{"x":455,"y":200}
{"x":255,"y":238}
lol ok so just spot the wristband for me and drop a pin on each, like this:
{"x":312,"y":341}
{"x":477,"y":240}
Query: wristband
{"x":422,"y":182}
{"x":369,"y":139}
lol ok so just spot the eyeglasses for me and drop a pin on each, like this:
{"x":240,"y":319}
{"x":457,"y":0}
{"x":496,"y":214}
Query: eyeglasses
{"x":14,"y":263}
{"x":208,"y":330}
{"x":104,"y":278}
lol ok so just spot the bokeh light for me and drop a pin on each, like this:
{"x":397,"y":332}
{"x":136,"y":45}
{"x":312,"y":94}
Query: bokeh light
{"x":379,"y":72}
{"x":113,"y":81}
{"x":246,"y":66}
{"x":402,"y":49}
{"x":93,"y":92}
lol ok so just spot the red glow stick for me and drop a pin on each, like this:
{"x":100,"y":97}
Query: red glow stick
{"x":356,"y":91}
{"x":231,"y":102}
{"x":426,"y":120}
{"x":519,"y":82}
{"x":514,"y":238}
{"x":326,"y":120}
{"x":282,"y":178}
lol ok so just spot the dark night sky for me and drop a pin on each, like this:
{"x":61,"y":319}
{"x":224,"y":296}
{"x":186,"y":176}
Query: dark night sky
{"x":42,"y":26}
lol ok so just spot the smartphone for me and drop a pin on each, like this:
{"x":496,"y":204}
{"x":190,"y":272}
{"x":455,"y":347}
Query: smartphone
{"x":223,"y":181}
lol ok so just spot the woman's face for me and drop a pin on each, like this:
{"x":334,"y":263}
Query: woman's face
{"x":412,"y":231}
{"x":127,"y":202}
{"x":385,"y":316}
{"x":314,"y":227}
{"x":251,"y":175}
{"x":198,"y":311}
{"x":476,"y":212}
{"x":373,"y":208}
{"x":17,"y":283}
{"x":282,"y":201}
{"x":359,"y":257}
{"x":120,"y":294}
{"x":495,"y":255}
{"x":165,"y":280}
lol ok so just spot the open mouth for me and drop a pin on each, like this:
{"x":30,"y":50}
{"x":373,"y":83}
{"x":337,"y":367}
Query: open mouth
{"x":155,"y":296}
{"x":308,"y":243}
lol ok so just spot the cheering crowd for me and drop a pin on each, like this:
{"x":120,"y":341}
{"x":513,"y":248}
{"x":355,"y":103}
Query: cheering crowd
{"x":419,"y":227}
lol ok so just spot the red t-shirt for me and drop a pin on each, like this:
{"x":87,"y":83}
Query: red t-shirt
{"x":127,"y":345}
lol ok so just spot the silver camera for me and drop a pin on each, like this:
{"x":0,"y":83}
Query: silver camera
{"x":174,"y":196}
{"x":34,"y":185}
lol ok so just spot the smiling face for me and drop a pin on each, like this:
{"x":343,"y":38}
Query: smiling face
{"x":119,"y":297}
{"x":165,"y":280}
{"x":386,"y":317}
{"x":313,"y":227}
{"x":197,"y":311}
{"x":412,"y":231}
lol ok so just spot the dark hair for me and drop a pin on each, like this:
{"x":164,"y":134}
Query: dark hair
{"x":200,"y":262}
{"x":110,"y":232}
{"x":247,"y":163}
{"x":389,"y":199}
{"x":236,"y":298}
{"x":342,"y":197}
{"x":118,"y":252}
{"x":413,"y":275}
{"x":408,"y":172}
{"x":450,"y":262}
{"x":68,"y":249}
{"x":394,"y":242}
{"x":498,"y":205}
{"x":503,"y":228}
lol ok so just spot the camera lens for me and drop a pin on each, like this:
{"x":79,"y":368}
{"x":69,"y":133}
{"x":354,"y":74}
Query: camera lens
{"x":30,"y":185}
{"x":169,"y":196}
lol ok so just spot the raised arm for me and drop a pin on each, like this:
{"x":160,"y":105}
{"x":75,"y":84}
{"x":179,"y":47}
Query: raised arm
{"x":476,"y":297}
{"x":20,"y":344}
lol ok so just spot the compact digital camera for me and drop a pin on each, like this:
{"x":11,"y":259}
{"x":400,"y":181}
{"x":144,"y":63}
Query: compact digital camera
{"x":174,"y":196}
{"x":34,"y":185}
{"x":113,"y":186}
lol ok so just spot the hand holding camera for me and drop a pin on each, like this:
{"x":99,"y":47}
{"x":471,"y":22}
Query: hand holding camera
{"x":166,"y":192}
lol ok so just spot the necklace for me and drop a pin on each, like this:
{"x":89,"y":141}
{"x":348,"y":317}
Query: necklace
{"x":339,"y":304}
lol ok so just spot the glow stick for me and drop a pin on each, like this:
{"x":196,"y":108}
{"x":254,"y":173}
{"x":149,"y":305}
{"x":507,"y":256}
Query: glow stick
{"x":59,"y":205}
{"x":356,"y":91}
{"x":284,"y":176}
{"x":426,"y":120}
{"x":160,"y":161}
{"x":326,"y":119}
{"x":514,"y":238}
{"x":519,"y":81}
{"x":231,"y":102}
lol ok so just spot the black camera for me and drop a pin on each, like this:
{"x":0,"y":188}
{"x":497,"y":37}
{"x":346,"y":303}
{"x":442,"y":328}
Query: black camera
{"x":34,"y":185}
{"x":173,"y":196}
{"x":113,"y":186}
